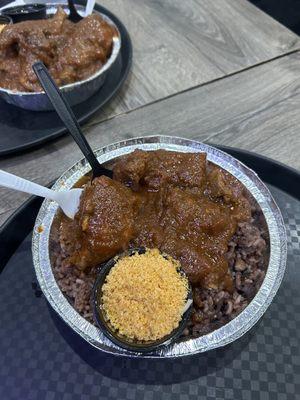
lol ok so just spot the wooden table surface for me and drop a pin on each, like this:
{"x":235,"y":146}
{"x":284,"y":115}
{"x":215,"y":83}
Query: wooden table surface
{"x":221,"y":72}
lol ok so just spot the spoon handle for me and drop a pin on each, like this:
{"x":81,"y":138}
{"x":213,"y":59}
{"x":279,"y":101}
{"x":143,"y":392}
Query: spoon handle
{"x":74,"y":16}
{"x":72,"y":7}
{"x":68,"y":118}
{"x":15,"y":182}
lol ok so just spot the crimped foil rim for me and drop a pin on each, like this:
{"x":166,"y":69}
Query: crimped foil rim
{"x":70,"y":86}
{"x":218,"y":338}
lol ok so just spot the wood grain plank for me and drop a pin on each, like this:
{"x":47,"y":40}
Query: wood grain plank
{"x":182,"y":44}
{"x":257,"y":110}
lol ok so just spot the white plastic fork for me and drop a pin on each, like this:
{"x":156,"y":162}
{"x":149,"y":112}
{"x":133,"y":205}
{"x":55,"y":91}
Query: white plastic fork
{"x":68,"y":200}
{"x":90,"y":4}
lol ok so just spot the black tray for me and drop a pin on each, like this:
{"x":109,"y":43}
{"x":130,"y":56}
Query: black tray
{"x":23,"y":129}
{"x":41,"y":358}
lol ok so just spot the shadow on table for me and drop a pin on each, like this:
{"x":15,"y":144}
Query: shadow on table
{"x":151,"y":371}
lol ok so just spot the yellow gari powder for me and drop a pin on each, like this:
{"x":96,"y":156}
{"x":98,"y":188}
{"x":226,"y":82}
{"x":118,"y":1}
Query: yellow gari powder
{"x":144,"y":296}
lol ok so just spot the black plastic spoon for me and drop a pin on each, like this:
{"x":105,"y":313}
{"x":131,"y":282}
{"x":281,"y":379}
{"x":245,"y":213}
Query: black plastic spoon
{"x":73,"y":16}
{"x":67,"y":116}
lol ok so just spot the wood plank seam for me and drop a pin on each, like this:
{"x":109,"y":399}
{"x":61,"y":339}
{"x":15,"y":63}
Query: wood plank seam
{"x":93,"y":124}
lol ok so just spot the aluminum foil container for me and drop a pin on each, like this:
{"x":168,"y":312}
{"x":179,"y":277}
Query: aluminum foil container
{"x":220,"y":337}
{"x":76,"y":92}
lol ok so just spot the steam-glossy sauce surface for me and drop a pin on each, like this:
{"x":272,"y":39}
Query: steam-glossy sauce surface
{"x":71,"y":51}
{"x":177,"y":202}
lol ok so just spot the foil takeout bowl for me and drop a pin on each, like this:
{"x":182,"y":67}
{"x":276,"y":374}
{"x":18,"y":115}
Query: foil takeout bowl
{"x":76,"y":92}
{"x":218,"y":338}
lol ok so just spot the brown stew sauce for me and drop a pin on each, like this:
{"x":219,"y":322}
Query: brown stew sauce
{"x":71,"y":51}
{"x":178,"y":202}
